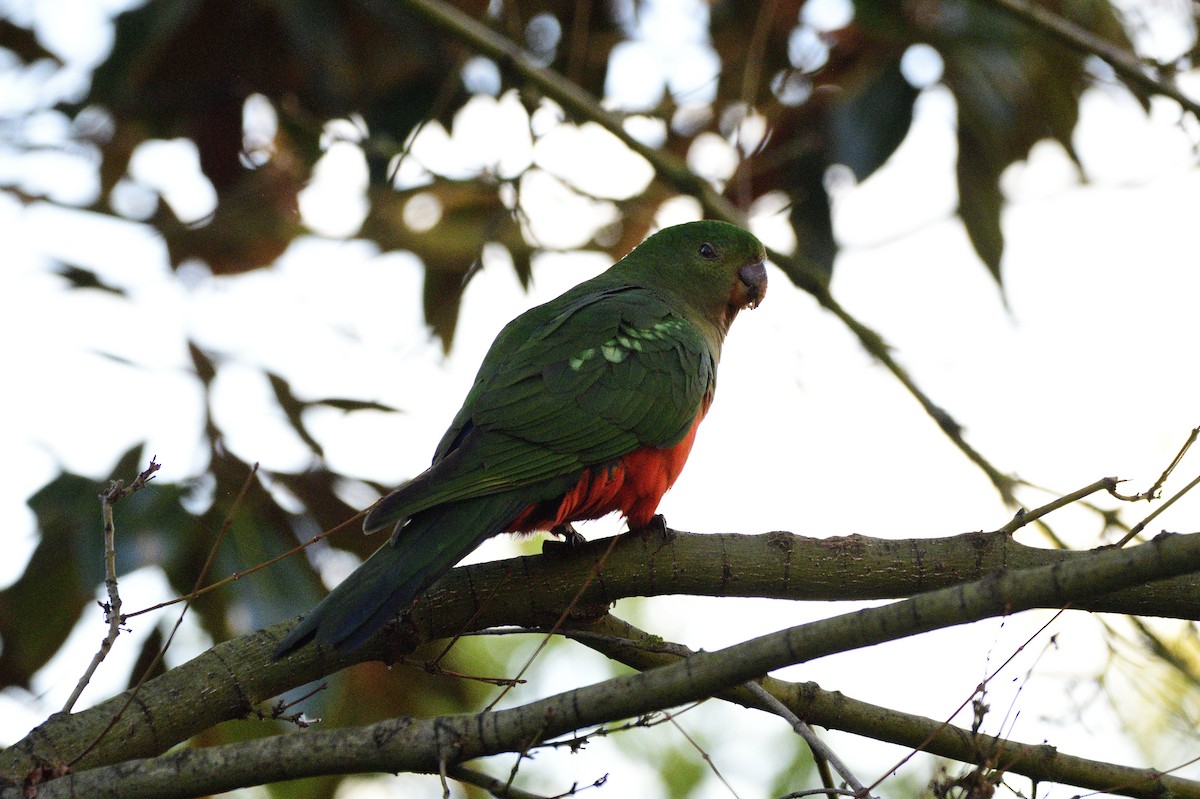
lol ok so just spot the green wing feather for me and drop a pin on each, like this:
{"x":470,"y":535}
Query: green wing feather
{"x":597,"y":377}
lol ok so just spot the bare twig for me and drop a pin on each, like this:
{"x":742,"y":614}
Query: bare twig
{"x":503,"y":790}
{"x":1024,"y":517}
{"x":435,"y":668}
{"x":562,"y":617}
{"x":279,"y":710}
{"x":112,"y":610}
{"x":979,"y":689}
{"x":712,"y":765}
{"x":1137,"y":528}
{"x":192,"y":595}
{"x":1153,"y":491}
{"x":225,"y":526}
{"x":819,"y":748}
{"x":487,"y":782}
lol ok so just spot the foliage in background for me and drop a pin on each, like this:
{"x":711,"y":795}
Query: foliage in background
{"x":187,"y":68}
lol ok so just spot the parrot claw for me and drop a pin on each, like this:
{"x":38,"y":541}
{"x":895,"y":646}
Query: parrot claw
{"x":572,"y":537}
{"x":657,"y":524}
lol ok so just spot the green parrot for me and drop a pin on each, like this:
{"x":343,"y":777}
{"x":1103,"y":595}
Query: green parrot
{"x":583,"y":406}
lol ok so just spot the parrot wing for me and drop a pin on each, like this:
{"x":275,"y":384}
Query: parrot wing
{"x":609,"y":373}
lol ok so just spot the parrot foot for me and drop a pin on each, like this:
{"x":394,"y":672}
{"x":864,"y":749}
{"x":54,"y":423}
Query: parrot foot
{"x":657,"y":524}
{"x":572,"y":537}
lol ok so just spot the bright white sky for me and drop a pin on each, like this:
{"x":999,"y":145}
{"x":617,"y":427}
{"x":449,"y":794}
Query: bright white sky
{"x":1090,"y":372}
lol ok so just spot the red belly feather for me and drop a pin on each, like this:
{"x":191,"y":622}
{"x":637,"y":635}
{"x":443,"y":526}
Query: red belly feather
{"x":633,"y":485}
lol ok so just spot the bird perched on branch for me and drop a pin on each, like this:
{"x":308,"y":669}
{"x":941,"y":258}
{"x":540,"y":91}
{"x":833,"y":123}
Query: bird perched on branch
{"x":585,"y":405}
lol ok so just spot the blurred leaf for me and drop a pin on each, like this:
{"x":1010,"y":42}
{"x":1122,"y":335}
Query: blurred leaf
{"x":206,"y":370}
{"x":254,"y":222}
{"x":857,"y":112}
{"x":259,"y":528}
{"x":316,"y":489}
{"x":1013,"y":85}
{"x":865,"y":127}
{"x":40,"y":609}
{"x":740,"y":25}
{"x":682,"y":769}
{"x":348,"y":405}
{"x":81,"y":278}
{"x":799,"y":769}
{"x":441,"y":295}
{"x":22,"y":42}
{"x":979,"y":199}
{"x":471,"y":215}
{"x":146,"y":657}
{"x":293,"y":409}
{"x":314,"y":60}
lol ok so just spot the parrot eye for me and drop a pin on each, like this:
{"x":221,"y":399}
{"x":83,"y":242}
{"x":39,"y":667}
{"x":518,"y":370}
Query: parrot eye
{"x":708,"y":252}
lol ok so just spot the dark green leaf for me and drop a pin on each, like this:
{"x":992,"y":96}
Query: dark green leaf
{"x":38,"y":611}
{"x":22,"y":42}
{"x":866,"y":126}
{"x":205,"y":368}
{"x":442,"y":294}
{"x":980,"y":200}
{"x":148,"y":665}
{"x":344,"y":404}
{"x":81,"y":278}
{"x":293,"y":409}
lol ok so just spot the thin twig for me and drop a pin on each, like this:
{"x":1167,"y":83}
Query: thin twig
{"x":562,"y":617}
{"x":490,"y":784}
{"x":235,"y":576}
{"x":502,"y":790}
{"x":225,"y":527}
{"x":1024,"y":517}
{"x":819,"y":748}
{"x":112,"y":610}
{"x":978,"y":689}
{"x":1153,"y":491}
{"x":1137,"y":528}
{"x":703,"y":754}
{"x":435,"y":663}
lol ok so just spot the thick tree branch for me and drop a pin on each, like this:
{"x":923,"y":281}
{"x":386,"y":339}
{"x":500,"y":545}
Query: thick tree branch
{"x":624,"y":643}
{"x":429,"y":745}
{"x":229,"y":680}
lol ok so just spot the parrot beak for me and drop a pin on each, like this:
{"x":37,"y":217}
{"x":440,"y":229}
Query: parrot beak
{"x":751,"y":286}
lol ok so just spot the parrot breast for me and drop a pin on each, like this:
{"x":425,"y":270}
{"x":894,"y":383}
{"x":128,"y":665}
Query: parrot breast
{"x":633,"y":484}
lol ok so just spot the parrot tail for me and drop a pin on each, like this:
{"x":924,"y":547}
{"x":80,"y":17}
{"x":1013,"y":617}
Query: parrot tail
{"x":399,"y":571}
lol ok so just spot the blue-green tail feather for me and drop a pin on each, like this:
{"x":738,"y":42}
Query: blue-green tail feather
{"x":399,"y":571}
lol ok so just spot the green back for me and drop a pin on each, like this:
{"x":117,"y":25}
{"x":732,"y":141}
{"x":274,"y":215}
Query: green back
{"x":622,"y":361}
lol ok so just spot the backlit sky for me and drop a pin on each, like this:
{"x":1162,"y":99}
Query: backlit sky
{"x":1088,"y":372}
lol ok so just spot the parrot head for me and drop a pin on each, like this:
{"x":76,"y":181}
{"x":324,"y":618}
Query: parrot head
{"x":714,"y":268}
